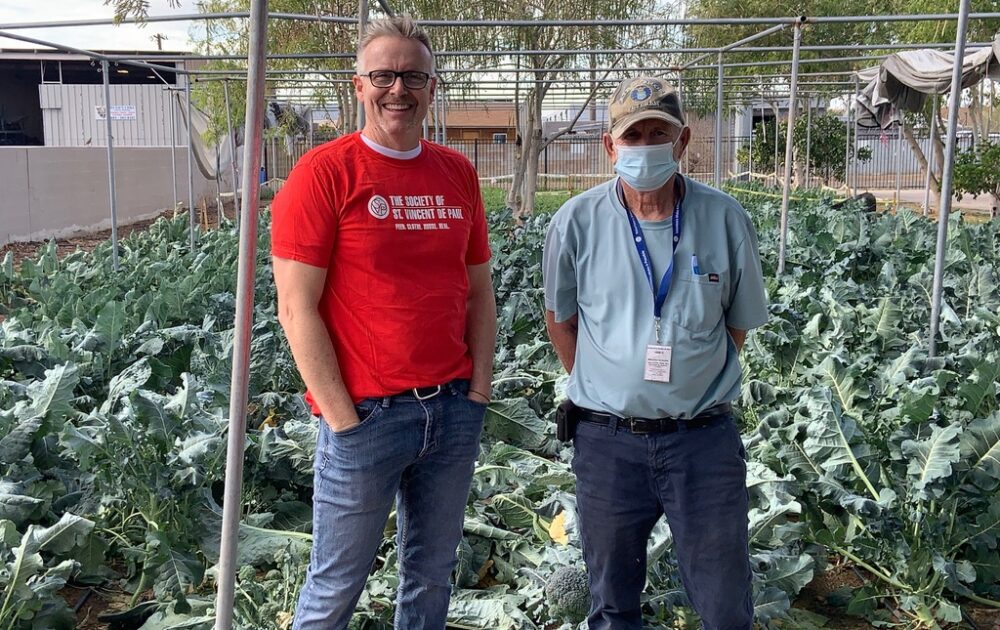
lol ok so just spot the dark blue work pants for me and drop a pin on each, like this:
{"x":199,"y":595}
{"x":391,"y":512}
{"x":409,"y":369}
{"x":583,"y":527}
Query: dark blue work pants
{"x":697,"y":477}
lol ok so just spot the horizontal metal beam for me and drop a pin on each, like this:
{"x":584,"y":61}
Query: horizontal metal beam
{"x":556,"y":85}
{"x":558,"y":51}
{"x":89,"y":53}
{"x":187,"y":17}
{"x":281,"y":75}
{"x":865,"y":19}
{"x":802,"y":62}
{"x":660,"y":22}
{"x":741,"y":42}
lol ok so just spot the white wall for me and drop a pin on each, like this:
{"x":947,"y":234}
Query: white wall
{"x":50,"y":192}
{"x":70,"y":118}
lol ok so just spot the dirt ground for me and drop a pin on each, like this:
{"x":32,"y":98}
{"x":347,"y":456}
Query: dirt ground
{"x":815,"y":598}
{"x":208,"y":218}
{"x":91,"y":602}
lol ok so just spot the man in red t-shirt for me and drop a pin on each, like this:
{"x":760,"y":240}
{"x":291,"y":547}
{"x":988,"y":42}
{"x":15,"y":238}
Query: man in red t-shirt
{"x":381,"y":261}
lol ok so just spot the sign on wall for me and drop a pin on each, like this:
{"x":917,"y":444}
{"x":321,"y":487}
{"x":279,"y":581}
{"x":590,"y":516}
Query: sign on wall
{"x":118,"y":112}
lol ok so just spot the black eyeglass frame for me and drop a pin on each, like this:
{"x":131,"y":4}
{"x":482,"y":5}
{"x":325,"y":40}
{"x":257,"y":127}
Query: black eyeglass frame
{"x":422,"y":77}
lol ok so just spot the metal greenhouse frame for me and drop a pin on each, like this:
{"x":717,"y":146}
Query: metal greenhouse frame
{"x":256,"y":75}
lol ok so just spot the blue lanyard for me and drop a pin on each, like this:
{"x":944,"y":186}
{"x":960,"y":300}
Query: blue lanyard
{"x":659,"y":294}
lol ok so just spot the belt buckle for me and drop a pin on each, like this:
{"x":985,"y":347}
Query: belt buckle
{"x":634,"y":425}
{"x":418,"y":396}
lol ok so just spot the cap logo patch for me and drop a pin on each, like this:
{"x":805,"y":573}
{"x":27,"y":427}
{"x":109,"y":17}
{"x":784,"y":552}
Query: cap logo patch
{"x":641,"y":93}
{"x":378,"y":207}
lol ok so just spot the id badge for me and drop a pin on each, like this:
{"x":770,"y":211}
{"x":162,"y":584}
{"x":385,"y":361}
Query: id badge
{"x":658,"y":363}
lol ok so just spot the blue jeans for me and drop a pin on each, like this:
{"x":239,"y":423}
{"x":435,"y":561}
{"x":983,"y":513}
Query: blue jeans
{"x":420,"y":453}
{"x":697,"y":477}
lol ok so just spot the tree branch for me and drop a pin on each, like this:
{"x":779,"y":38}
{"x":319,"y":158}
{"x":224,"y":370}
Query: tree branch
{"x":590,"y":97}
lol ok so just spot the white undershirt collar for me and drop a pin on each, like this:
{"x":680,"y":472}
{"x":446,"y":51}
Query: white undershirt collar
{"x":393,"y":153}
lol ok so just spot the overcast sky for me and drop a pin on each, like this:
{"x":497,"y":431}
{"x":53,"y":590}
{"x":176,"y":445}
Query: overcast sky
{"x":123,"y":37}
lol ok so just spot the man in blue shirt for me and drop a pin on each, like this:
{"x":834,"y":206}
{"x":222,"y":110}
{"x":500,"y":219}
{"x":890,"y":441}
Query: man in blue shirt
{"x":652,"y":281}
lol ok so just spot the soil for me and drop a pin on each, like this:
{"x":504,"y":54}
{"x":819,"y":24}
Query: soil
{"x":208,"y":219}
{"x":814,"y":598}
{"x":92,"y":602}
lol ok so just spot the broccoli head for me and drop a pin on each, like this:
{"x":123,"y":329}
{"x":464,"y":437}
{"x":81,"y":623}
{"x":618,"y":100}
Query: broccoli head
{"x":567,"y":594}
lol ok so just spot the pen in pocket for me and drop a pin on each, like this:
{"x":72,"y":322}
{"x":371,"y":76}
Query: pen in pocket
{"x":694,"y":265}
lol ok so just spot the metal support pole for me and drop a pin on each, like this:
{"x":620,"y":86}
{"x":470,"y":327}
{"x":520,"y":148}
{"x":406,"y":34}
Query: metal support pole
{"x":686,"y":158}
{"x":231,"y":507}
{"x":444,"y":117}
{"x":809,"y":112}
{"x":272,"y":170}
{"x":753,"y":108}
{"x":854,"y":158}
{"x":930,"y":157}
{"x":718,"y":125}
{"x":954,"y":101}
{"x":777,"y":143}
{"x":899,"y":161}
{"x":362,"y":27}
{"x":847,"y":145}
{"x":111,"y":166}
{"x":192,"y":226}
{"x":218,"y":185}
{"x":173,"y":142}
{"x":993,"y":97}
{"x":976,"y":101}
{"x":787,"y":189}
{"x":309,"y":134}
{"x":437,"y":116}
{"x":232,"y":151}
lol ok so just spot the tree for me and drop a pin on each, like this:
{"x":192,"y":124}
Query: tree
{"x":231,"y":37}
{"x":537,"y":73}
{"x":824,"y":143}
{"x":870,"y":32}
{"x":977,"y":172}
{"x":125,"y":9}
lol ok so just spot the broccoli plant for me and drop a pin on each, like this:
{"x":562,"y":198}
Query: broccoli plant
{"x":568,"y":595}
{"x":977,"y":172}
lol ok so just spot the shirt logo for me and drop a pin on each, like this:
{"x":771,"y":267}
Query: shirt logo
{"x":378,"y":207}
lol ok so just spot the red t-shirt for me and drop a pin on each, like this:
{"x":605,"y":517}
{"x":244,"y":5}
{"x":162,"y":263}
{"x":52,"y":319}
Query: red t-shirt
{"x":395,"y":237}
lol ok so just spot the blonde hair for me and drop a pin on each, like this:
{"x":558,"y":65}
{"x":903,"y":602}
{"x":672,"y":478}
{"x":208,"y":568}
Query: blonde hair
{"x":402,"y":26}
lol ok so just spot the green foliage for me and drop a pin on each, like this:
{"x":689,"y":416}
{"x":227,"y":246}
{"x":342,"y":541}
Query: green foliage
{"x":888,"y":450}
{"x":114,"y":396}
{"x":977,"y":171}
{"x":825,"y":142}
{"x":36,"y":566}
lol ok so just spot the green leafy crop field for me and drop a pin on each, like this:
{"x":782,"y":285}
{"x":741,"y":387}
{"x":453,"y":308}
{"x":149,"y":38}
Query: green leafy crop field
{"x":864,"y":450}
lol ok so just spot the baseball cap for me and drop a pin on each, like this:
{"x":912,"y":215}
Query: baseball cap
{"x":641,"y":98}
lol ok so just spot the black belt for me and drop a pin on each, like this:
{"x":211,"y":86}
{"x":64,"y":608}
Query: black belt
{"x":655,"y":425}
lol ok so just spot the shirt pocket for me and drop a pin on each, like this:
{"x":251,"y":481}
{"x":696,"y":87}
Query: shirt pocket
{"x":698,"y":308}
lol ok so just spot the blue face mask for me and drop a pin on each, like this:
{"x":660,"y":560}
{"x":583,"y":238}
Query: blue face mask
{"x":645,"y":168}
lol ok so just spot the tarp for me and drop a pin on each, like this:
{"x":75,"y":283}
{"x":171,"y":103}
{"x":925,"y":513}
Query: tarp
{"x":204,"y":153}
{"x":275,"y":115}
{"x":905,"y":79}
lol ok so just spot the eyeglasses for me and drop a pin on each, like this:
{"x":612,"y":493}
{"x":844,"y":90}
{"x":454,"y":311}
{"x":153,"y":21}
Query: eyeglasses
{"x":413,"y":79}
